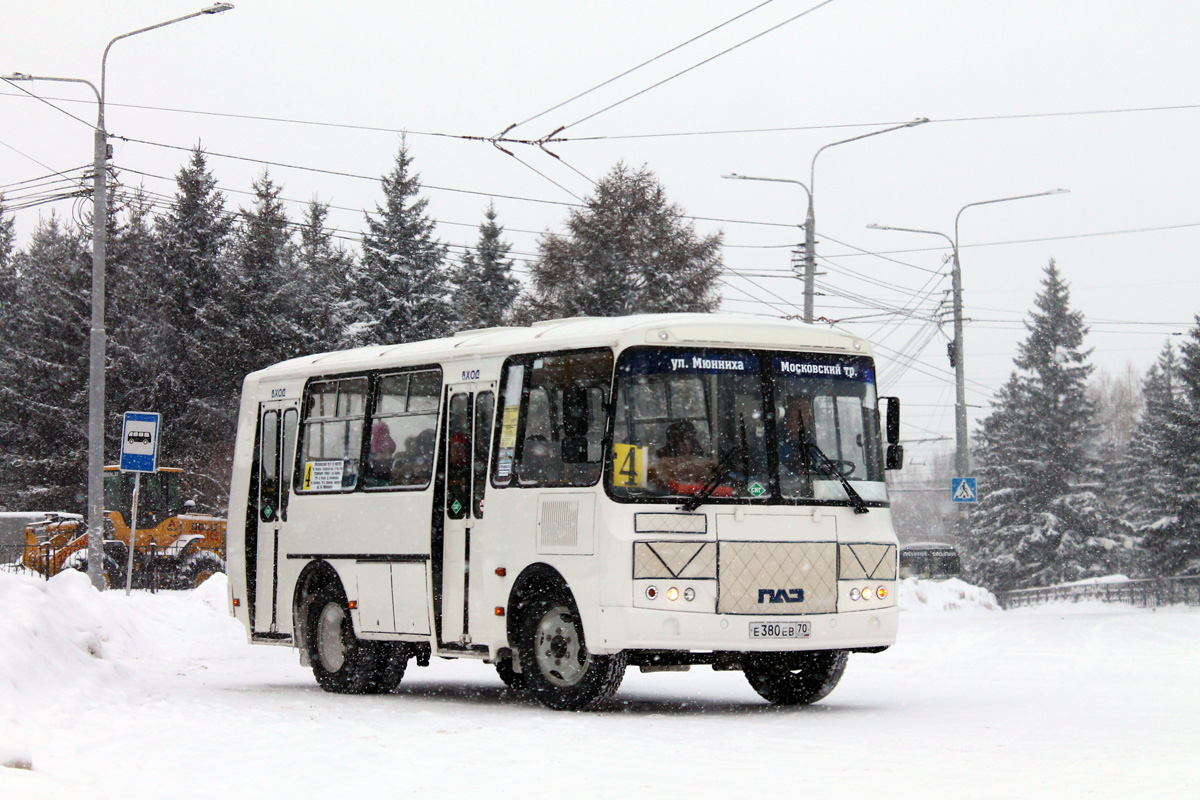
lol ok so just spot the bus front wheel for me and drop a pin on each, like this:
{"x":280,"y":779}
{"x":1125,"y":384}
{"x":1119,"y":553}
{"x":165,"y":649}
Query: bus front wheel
{"x":341,"y":662}
{"x":556,"y":667}
{"x":792,"y":679}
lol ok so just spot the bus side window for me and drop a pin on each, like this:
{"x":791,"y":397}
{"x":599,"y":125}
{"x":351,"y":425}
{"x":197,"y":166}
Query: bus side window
{"x":332,"y":432}
{"x":564,"y":419}
{"x":404,"y":430}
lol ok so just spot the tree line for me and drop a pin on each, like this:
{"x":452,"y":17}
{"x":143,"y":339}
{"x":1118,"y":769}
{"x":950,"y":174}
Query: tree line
{"x":199,"y":294}
{"x":1060,"y":498}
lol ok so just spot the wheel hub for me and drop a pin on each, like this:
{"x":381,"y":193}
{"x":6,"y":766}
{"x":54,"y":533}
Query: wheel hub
{"x":559,"y":651}
{"x":331,"y":646}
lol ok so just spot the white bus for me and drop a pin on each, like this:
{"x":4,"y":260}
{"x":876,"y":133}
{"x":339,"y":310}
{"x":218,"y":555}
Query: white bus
{"x":570,"y":498}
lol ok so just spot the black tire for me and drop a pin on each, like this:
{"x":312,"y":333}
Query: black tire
{"x":199,"y":566}
{"x":391,"y":660}
{"x":556,"y":667}
{"x":113,"y":574}
{"x":794,"y":679}
{"x":511,"y":678}
{"x":341,"y":662}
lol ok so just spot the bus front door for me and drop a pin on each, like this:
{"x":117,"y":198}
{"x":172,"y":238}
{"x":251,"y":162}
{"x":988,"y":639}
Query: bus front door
{"x":275,"y":456}
{"x":468,"y":440}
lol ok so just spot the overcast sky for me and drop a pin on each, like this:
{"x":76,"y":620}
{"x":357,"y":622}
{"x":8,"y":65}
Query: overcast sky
{"x":1098,"y":97}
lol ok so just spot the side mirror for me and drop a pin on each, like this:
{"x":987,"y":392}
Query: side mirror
{"x":576,"y":418}
{"x":893,"y":420}
{"x":894,"y":458}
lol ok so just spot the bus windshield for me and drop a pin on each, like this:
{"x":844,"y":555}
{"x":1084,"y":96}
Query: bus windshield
{"x":745,"y":425}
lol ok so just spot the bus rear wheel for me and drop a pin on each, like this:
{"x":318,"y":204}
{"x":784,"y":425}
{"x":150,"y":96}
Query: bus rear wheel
{"x":556,"y":667}
{"x":341,"y":662}
{"x":794,"y":679}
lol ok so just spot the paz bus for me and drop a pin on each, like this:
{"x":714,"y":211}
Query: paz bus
{"x":568,"y":499}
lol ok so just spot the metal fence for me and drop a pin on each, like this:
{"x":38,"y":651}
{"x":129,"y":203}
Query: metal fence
{"x":1145,"y":593}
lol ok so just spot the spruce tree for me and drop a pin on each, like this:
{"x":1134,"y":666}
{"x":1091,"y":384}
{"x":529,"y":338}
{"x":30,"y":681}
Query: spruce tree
{"x":10,"y":416}
{"x":628,"y":251}
{"x":260,"y":294}
{"x":1174,"y":544}
{"x":8,"y":275}
{"x":134,"y":319}
{"x":1148,"y":484}
{"x":484,"y":286}
{"x":324,"y":270}
{"x":193,"y":393}
{"x":1039,"y":519}
{"x":400,"y":290}
{"x":44,"y":386}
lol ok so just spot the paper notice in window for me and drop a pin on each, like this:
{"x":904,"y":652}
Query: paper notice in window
{"x":323,"y":476}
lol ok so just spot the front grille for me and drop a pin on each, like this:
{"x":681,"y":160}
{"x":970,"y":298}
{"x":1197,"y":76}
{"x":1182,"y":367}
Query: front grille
{"x":762,"y":577}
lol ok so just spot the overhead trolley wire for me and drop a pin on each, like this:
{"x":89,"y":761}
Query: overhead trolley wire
{"x":633,"y":69}
{"x":689,"y":69}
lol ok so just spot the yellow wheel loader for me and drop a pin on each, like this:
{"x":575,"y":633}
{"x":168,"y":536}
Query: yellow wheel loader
{"x":173,"y":548}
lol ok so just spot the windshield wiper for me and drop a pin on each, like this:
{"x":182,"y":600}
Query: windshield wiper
{"x":860,"y":505}
{"x":723,"y":470}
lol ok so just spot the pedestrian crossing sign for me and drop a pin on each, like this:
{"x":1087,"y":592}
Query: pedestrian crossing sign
{"x":963,"y":490}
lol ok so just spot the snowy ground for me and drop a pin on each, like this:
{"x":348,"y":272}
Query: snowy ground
{"x":160,"y":697}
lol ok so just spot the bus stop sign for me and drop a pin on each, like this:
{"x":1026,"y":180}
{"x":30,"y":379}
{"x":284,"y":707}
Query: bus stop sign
{"x":139,"y":441}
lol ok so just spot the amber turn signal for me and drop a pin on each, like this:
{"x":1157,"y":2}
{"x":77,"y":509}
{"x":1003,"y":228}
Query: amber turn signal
{"x":499,"y":611}
{"x":501,"y":571}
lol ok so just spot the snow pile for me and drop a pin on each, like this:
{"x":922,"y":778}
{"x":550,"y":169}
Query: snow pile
{"x":56,"y":635}
{"x":948,"y":595}
{"x":65,"y":647}
{"x":63,"y":635}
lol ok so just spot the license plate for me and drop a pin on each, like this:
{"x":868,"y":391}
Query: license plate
{"x":780,"y":630}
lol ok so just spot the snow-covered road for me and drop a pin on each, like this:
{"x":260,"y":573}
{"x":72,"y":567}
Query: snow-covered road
{"x":160,"y":696}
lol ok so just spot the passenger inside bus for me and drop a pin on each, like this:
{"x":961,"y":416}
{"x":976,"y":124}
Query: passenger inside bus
{"x":379,"y":459}
{"x":681,"y":465}
{"x":681,"y":440}
{"x":413,"y":466}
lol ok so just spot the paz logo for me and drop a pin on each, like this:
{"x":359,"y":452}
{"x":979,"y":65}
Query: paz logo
{"x":780,"y":595}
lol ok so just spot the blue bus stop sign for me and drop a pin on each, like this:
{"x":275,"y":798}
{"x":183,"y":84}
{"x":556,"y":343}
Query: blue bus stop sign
{"x":963,"y":490}
{"x":139,"y":441}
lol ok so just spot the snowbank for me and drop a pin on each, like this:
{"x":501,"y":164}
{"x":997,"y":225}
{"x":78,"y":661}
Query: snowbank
{"x":63,"y":635}
{"x":64,"y":646}
{"x":948,"y":595}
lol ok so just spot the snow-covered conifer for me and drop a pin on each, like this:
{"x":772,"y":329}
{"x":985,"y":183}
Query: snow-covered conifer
{"x":1040,"y":519}
{"x":484,"y":285}
{"x":628,"y":251}
{"x":399,"y":290}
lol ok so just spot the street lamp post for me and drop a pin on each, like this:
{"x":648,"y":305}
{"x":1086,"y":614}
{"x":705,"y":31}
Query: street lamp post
{"x":97,"y":335}
{"x":962,"y":456}
{"x":810,"y":221}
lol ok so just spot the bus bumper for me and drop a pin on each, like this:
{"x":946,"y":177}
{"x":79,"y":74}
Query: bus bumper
{"x":621,"y":628}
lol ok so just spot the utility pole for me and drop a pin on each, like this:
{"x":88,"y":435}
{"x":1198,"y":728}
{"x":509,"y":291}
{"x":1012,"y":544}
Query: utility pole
{"x":810,"y":218}
{"x":962,"y":455}
{"x":97,"y":335}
